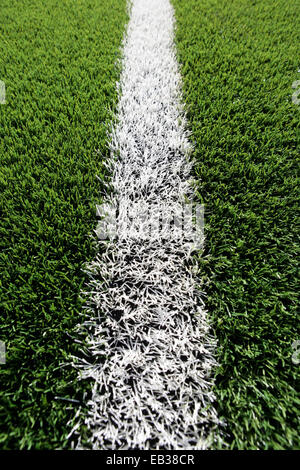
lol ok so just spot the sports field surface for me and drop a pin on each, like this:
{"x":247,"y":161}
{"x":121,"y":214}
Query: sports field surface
{"x":58,"y":60}
{"x":239,"y":61}
{"x":95,"y":89}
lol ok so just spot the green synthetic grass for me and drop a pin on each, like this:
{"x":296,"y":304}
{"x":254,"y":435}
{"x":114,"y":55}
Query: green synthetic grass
{"x":58,"y":63}
{"x":239,"y":59}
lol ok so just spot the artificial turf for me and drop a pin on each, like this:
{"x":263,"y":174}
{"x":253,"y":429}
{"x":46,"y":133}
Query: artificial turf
{"x":58,"y":62}
{"x":239,"y":59}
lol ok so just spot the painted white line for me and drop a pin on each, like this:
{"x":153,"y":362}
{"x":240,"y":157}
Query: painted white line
{"x":154,"y":388}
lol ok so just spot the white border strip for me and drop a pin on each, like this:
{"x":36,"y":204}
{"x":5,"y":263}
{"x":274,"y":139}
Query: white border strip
{"x":154,"y":388}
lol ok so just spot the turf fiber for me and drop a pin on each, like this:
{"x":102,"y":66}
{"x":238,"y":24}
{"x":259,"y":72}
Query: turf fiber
{"x":239,"y":59}
{"x":58,"y":63}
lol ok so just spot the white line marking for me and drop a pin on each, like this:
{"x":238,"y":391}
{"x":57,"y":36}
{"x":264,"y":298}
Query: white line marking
{"x":154,"y":389}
